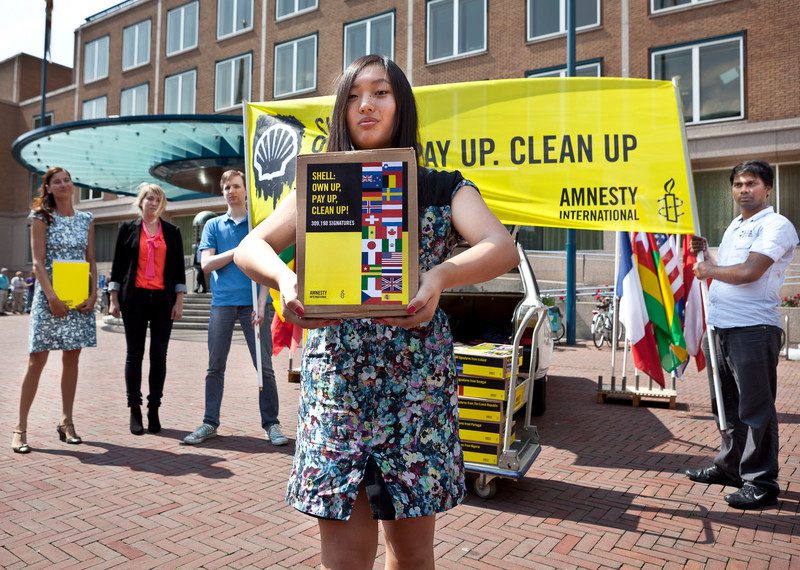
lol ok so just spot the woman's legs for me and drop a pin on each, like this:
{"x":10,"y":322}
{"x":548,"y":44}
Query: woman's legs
{"x":409,"y":543}
{"x":134,"y":319}
{"x":350,"y":544}
{"x":30,"y":383}
{"x":69,"y":384}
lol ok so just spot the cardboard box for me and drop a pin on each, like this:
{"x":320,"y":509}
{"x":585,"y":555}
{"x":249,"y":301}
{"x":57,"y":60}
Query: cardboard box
{"x":485,"y":453}
{"x":484,"y":432}
{"x":489,"y":410}
{"x":488,"y":388}
{"x":486,"y":360}
{"x":357,"y":232}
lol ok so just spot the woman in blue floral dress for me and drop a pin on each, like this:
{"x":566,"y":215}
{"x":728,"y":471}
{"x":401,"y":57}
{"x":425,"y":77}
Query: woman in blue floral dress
{"x":377,"y":432}
{"x":58,"y":232}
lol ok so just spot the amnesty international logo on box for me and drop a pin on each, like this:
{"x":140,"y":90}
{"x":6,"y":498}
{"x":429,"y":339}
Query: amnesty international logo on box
{"x":357,"y":232}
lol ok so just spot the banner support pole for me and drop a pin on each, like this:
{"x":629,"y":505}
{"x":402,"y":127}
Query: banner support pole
{"x":571,"y":305}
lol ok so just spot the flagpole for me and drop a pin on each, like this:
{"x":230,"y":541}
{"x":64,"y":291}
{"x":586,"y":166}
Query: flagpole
{"x":253,"y":286}
{"x":615,"y":320}
{"x":712,"y":349}
{"x":48,"y":10}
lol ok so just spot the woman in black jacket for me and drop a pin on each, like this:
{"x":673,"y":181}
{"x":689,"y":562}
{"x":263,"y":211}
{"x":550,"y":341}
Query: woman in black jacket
{"x":147,"y":286}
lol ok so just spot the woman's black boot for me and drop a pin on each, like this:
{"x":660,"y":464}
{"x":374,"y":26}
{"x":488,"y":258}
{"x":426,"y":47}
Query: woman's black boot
{"x":136,"y":421}
{"x":153,"y":423}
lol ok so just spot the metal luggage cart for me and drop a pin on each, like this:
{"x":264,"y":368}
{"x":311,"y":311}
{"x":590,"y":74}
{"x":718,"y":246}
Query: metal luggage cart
{"x":519,"y":450}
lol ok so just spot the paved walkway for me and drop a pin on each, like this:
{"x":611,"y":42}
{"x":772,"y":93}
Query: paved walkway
{"x":606,"y":491}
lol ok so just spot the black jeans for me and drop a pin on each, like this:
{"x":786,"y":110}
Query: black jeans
{"x":153,"y":307}
{"x":747,"y":359}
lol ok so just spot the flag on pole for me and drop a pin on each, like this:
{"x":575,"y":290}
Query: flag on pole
{"x":284,"y":334}
{"x":668,"y":250}
{"x":660,"y":302}
{"x":633,"y":314}
{"x":694,"y":322}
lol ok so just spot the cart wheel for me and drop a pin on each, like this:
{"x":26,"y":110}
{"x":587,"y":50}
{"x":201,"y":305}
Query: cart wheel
{"x":483,"y":488}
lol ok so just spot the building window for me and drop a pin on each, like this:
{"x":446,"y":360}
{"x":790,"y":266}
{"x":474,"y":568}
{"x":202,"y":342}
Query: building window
{"x":455,"y":28}
{"x":95,"y":108}
{"x":89,"y":194}
{"x":233,"y":17}
{"x":95,"y":60}
{"x":549,"y":17}
{"x":37,"y":120}
{"x":182,"y":28}
{"x":288,"y":8}
{"x":105,"y":239}
{"x":179,"y":93}
{"x":371,"y":36}
{"x":710,"y":78}
{"x":232,"y":82}
{"x":133,"y":101}
{"x":581,"y":70}
{"x":666,"y":5}
{"x":296,"y":66}
{"x":136,"y":45}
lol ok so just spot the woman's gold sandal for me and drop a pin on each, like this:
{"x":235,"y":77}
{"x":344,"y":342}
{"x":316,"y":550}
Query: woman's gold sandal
{"x":22,"y":447}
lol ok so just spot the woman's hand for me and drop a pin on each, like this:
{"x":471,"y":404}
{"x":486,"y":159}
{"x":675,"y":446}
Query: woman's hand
{"x":113,"y":307}
{"x":422,"y":307}
{"x":292,"y":308}
{"x":57,"y":307}
{"x":177,"y":309}
{"x":88,"y":305}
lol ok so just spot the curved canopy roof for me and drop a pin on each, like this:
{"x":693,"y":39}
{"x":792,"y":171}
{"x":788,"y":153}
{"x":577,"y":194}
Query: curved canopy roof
{"x":184,"y":154}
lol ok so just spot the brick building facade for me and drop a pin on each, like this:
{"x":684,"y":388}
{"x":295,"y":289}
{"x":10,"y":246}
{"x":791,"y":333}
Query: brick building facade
{"x":737,"y":60}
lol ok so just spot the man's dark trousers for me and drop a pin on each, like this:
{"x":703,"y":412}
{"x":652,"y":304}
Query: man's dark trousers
{"x":748,"y":371}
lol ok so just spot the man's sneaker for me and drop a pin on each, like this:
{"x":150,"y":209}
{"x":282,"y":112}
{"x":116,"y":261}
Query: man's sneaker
{"x":201,"y":434}
{"x":275,"y":435}
{"x":751,"y":497}
{"x":713,"y":476}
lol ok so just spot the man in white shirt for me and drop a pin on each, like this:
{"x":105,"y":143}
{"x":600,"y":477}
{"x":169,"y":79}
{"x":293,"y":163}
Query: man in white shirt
{"x":751,"y":265}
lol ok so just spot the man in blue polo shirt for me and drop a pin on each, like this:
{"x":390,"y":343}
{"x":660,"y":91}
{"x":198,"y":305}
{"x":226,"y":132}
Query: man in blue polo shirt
{"x":231,"y":299}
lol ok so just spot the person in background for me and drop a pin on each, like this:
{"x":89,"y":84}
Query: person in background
{"x":18,"y":293}
{"x":747,"y":274}
{"x":377,"y":434}
{"x":200,"y":275}
{"x":102,"y":287}
{"x":30,"y":284}
{"x":232,"y":300}
{"x":58,"y":232}
{"x":5,"y":286}
{"x":147,"y":287}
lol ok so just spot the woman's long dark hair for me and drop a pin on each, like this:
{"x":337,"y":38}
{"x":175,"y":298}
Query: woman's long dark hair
{"x":405,"y":133}
{"x":45,"y":202}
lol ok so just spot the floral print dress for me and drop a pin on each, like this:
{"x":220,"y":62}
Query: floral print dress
{"x":376,"y":392}
{"x":67,"y":238}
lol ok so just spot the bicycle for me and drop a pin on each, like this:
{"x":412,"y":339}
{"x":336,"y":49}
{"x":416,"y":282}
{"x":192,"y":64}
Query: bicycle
{"x":603,"y":323}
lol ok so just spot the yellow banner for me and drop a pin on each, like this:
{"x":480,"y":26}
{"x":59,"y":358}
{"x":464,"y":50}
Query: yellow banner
{"x":586,"y":153}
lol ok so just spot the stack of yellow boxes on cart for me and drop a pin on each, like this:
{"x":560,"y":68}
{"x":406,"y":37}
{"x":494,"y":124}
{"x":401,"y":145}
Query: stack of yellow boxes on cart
{"x":484,"y":377}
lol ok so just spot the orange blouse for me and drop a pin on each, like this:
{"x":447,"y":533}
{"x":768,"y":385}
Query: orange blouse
{"x":150,"y":269}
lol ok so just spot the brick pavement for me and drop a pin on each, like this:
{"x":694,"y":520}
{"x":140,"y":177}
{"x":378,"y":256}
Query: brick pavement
{"x":606,"y":491}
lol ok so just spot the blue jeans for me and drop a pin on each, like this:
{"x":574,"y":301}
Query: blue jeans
{"x":220,"y":333}
{"x":747,"y":359}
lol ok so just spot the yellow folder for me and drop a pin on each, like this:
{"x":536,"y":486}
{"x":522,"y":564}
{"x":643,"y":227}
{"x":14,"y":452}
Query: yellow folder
{"x":71,"y":281}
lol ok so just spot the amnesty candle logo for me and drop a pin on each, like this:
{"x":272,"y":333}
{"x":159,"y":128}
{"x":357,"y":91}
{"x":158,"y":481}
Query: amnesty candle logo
{"x":382,"y":224}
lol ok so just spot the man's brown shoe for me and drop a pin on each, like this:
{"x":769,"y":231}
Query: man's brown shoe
{"x":713,"y":476}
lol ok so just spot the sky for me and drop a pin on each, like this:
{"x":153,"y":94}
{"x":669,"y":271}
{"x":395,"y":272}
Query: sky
{"x":22,"y":26}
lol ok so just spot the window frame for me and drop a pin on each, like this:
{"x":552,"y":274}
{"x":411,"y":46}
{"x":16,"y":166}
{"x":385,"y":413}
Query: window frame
{"x":182,"y":9}
{"x":562,"y":69}
{"x":692,"y":4}
{"x":368,"y":20}
{"x":193,"y":71}
{"x":94,"y":100}
{"x":294,"y":13}
{"x":235,"y":32}
{"x":695,"y":55}
{"x":455,"y":54}
{"x":136,"y":44}
{"x":48,"y":114}
{"x":95,"y":42}
{"x":146,"y":85}
{"x":91,"y":192}
{"x":295,"y":91}
{"x":232,"y":60}
{"x":562,"y":22}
